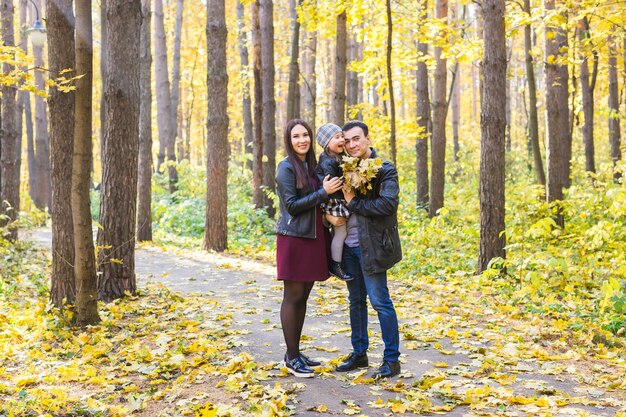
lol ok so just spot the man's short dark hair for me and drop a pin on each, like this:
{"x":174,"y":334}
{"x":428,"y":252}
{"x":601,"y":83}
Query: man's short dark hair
{"x":356,"y":123}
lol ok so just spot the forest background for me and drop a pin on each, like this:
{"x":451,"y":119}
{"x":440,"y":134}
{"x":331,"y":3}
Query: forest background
{"x":176,"y":111}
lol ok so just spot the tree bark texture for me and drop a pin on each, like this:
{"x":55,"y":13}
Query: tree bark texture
{"x":455,"y":104}
{"x":587,"y":86}
{"x":423,"y":119}
{"x":614,"y":121}
{"x":309,"y":83}
{"x":60,"y":17}
{"x":144,"y":175}
{"x":116,"y":239}
{"x":294,"y":70}
{"x":557,"y":115}
{"x":42,"y":140}
{"x":175,"y":94}
{"x":163,"y":96}
{"x":215,"y":230}
{"x":103,"y":69}
{"x":392,"y":100}
{"x":11,"y":152}
{"x":24,"y":108}
{"x":352,"y":79}
{"x":339,"y":95}
{"x":246,"y":102}
{"x":533,"y":119}
{"x":440,"y":107}
{"x":257,"y":149}
{"x":84,"y":259}
{"x":493,"y":125}
{"x":269,"y":102}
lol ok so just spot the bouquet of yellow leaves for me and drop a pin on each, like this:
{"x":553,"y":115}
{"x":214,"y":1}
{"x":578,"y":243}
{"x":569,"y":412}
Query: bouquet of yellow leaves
{"x":358,"y":173}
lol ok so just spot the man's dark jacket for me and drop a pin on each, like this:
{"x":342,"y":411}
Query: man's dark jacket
{"x":377,"y":220}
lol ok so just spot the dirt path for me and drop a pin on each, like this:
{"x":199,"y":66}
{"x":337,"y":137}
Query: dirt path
{"x":248,"y":291}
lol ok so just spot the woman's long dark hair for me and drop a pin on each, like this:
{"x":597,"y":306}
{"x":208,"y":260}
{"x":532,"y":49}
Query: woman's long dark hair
{"x":302,"y":176}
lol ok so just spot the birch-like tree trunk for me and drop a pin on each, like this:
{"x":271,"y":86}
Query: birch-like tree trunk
{"x":24,"y":108}
{"x":455,"y":105}
{"x":257,"y":148}
{"x":587,"y":86}
{"x":533,"y":119}
{"x":60,"y":17}
{"x":423,"y":118}
{"x":352,"y":78}
{"x":440,"y":108}
{"x":294,"y":70}
{"x":246,"y":102}
{"x":392,"y":100}
{"x":309,"y":84}
{"x":492,"y":143}
{"x":42,"y":140}
{"x":176,"y":114}
{"x":144,"y":174}
{"x":339,"y":91}
{"x":614,"y":121}
{"x":118,"y":204}
{"x":269,"y":102}
{"x":215,"y":231}
{"x":84,"y":259}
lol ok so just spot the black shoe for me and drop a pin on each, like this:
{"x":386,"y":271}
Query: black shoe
{"x":308,"y":361}
{"x":353,"y":362}
{"x":297,"y":367}
{"x":337,"y":270}
{"x":387,"y":370}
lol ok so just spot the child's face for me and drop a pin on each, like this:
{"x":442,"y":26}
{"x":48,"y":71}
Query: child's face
{"x":337,"y":143}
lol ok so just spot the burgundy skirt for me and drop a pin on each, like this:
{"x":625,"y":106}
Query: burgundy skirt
{"x":301,"y":259}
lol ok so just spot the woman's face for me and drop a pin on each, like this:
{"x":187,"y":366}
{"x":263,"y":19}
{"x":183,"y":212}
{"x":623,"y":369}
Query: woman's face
{"x":300,"y":141}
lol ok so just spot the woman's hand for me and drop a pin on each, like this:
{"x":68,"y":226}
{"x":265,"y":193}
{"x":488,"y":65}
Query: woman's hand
{"x":331,"y":184}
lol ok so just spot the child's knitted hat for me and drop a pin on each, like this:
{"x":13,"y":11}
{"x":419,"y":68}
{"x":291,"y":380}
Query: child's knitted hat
{"x":325,"y":133}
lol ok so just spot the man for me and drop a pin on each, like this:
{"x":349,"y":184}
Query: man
{"x":372,"y":247}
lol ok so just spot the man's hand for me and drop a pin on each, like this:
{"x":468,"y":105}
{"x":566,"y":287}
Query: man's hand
{"x":348,"y":195}
{"x":336,"y":221}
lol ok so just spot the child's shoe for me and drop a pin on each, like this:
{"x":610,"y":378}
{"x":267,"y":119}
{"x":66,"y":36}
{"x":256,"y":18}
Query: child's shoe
{"x":337,"y":270}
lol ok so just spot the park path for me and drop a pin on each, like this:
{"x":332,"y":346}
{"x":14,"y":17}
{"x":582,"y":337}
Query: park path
{"x":248,"y":290}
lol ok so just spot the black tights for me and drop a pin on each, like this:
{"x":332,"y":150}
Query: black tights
{"x":292,"y":313}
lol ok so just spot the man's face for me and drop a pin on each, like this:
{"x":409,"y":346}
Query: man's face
{"x":357,"y":144}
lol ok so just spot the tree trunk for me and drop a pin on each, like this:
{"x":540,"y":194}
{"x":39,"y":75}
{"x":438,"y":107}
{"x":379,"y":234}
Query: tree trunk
{"x":103,"y":70}
{"x":352,"y":79}
{"x":509,"y":50}
{"x":60,"y":16}
{"x":339,"y":95}
{"x":493,"y":124}
{"x":175,"y":94}
{"x":614,"y":121}
{"x":42,"y":141}
{"x":392,"y":101}
{"x":11,"y":152}
{"x":84,"y":260}
{"x":258,"y":196}
{"x":246,"y":102}
{"x":164,"y":101}
{"x":293,"y":66}
{"x":438,"y":149}
{"x":24,"y":108}
{"x":423,"y":118}
{"x":556,"y":115}
{"x":215,"y":230}
{"x":455,"y":104}
{"x":587,"y":86}
{"x":116,"y":262}
{"x":533,"y":119}
{"x":144,"y":175}
{"x":310,"y":80}
{"x":269,"y":102}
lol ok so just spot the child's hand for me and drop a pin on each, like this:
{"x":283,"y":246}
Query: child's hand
{"x":348,"y":195}
{"x":336,"y":221}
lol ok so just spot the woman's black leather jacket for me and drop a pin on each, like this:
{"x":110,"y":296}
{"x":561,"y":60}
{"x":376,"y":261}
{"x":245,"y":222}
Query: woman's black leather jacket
{"x":297,"y":205}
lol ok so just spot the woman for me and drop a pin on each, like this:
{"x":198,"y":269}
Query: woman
{"x":302,"y":240}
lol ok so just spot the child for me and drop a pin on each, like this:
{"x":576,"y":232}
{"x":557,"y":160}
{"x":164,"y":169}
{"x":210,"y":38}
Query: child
{"x":330,"y":138}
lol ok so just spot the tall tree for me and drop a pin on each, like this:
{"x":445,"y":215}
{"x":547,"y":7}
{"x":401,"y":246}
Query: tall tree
{"x":557,"y":112}
{"x":587,"y":86}
{"x":392,"y":100}
{"x":24,"y":107}
{"x":269,"y":102}
{"x":423,"y":117}
{"x":492,"y":142}
{"x":246,"y":102}
{"x":614,"y":121}
{"x":309,"y":83}
{"x":533,"y":119}
{"x":144,"y":175}
{"x":163,"y":96}
{"x":176,"y":114}
{"x":440,"y":109}
{"x":42,"y":140}
{"x":215,"y":230}
{"x":60,"y":17}
{"x":257,"y":149}
{"x":116,"y":261}
{"x":339,"y":95}
{"x":11,"y":152}
{"x":294,"y":70}
{"x":352,"y":77}
{"x":84,"y":259}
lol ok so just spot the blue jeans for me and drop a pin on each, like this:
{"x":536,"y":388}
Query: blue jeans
{"x":373,"y":286}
